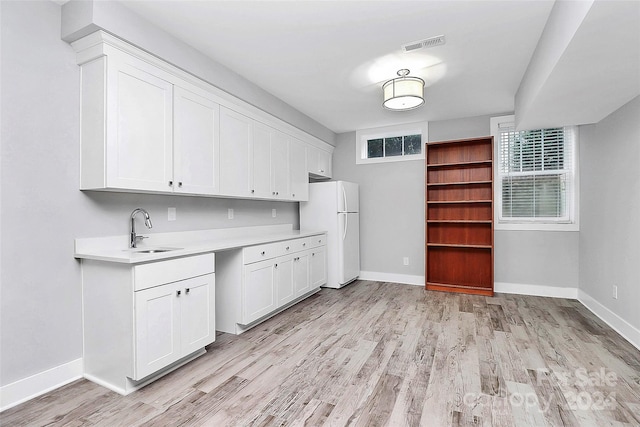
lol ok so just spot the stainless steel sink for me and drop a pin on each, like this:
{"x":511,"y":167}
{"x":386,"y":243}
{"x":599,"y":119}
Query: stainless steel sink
{"x":151,"y":250}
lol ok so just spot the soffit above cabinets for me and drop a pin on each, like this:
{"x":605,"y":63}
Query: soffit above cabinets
{"x":586,"y":65}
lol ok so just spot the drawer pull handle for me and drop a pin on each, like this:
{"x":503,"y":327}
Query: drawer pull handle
{"x":304,"y":244}
{"x":313,"y":254}
{"x":287,"y":248}
{"x":262,"y":253}
{"x":179,"y":183}
{"x":170,"y":183}
{"x":178,"y":292}
{"x":186,"y":291}
{"x":276,"y":266}
{"x":253,"y":191}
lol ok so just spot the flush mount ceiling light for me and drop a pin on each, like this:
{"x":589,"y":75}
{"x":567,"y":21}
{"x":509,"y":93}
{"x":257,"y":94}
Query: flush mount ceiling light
{"x":403,"y":93}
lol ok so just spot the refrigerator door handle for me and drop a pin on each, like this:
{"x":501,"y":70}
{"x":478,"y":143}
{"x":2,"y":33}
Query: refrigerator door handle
{"x":346,"y":226}
{"x":344,"y":198}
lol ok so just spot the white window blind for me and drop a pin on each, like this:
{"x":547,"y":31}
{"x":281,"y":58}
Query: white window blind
{"x":536,"y":174}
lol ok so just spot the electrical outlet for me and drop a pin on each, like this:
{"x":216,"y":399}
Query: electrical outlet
{"x":615,"y":291}
{"x":405,"y":260}
{"x":171,"y":214}
{"x":273,"y":213}
{"x":230,"y":213}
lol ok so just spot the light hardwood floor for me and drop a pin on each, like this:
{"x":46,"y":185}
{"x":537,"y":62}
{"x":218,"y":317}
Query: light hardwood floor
{"x":384,"y":354}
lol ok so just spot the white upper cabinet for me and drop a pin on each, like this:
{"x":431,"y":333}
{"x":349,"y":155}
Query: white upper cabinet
{"x":255,"y":159}
{"x":147,"y":126}
{"x":154,"y":136}
{"x":139,"y":151}
{"x":298,"y":175}
{"x":319,"y":162}
{"x":196,"y":143}
{"x":235,"y":147}
{"x":279,"y":165}
{"x":260,"y":160}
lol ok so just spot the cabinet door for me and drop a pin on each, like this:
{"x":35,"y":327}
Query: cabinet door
{"x":299,"y":176}
{"x":301,"y":275}
{"x":197,"y":303}
{"x":279,"y":165}
{"x":284,"y":280}
{"x":324,"y":163}
{"x":261,"y":161}
{"x":139,"y":127}
{"x":318,"y":267}
{"x":235,"y":141}
{"x":312,"y":160}
{"x":258,"y":291}
{"x":196,"y":143}
{"x":157,"y":329}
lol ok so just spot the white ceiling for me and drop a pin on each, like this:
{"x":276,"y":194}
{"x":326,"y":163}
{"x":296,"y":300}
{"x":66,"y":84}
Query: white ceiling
{"x":328,"y":59}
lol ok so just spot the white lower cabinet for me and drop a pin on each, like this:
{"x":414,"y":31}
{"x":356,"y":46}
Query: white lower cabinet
{"x":318,"y":266}
{"x":171,"y":322}
{"x":285,"y":279}
{"x":258,"y":291}
{"x":258,"y":281}
{"x":143,"y":320}
{"x":301,"y":274}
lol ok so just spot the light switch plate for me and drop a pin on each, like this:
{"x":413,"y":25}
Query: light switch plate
{"x":171,"y":214}
{"x":230,"y":213}
{"x":273,"y":213}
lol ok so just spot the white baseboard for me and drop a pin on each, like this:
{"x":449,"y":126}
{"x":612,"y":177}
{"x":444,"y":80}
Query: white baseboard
{"x":617,"y":323}
{"x":535,"y":290}
{"x":406,"y":279}
{"x":27,"y":388}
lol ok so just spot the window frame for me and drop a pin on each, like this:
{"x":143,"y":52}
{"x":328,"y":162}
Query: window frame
{"x":535,"y":224}
{"x":363,"y":135}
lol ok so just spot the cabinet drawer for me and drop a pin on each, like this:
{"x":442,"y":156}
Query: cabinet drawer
{"x":261,"y":252}
{"x":319,"y":240}
{"x":296,"y":245}
{"x":161,"y":272}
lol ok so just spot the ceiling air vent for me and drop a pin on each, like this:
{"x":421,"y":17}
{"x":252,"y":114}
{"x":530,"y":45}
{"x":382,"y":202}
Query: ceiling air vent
{"x":420,"y":44}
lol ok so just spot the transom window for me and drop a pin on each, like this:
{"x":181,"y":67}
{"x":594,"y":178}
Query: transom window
{"x":392,"y":143}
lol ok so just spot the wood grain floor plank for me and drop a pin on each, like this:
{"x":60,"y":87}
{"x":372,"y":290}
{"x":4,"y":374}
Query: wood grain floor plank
{"x":376,"y":353}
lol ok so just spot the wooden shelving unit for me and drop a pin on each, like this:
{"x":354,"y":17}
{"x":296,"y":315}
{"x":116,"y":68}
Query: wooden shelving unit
{"x":459,"y":216}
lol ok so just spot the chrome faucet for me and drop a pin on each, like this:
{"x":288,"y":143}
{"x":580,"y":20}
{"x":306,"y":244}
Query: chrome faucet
{"x":147,"y":221}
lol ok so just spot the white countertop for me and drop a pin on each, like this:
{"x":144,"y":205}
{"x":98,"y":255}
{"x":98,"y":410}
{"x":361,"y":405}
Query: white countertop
{"x":116,"y":248}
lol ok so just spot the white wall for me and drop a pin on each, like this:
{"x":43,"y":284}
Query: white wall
{"x":392,"y":220}
{"x":610,"y":198}
{"x":42,"y":208}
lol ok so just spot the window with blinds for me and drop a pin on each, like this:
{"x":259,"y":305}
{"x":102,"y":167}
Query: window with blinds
{"x":536,"y":174}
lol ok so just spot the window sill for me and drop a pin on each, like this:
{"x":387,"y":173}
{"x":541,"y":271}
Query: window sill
{"x":535,"y":227}
{"x":390,"y":159}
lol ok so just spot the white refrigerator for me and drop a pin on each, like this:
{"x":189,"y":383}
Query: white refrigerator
{"x":333,"y":206}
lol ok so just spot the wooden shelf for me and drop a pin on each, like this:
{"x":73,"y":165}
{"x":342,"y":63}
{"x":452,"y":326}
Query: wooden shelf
{"x":435,"y":184}
{"x":455,"y":245}
{"x":455,"y":202}
{"x":459,"y":216}
{"x":447,"y":287}
{"x":460,"y":221}
{"x":461,"y":164}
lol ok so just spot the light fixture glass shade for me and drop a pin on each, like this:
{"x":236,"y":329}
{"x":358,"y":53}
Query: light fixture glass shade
{"x":403,"y":93}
